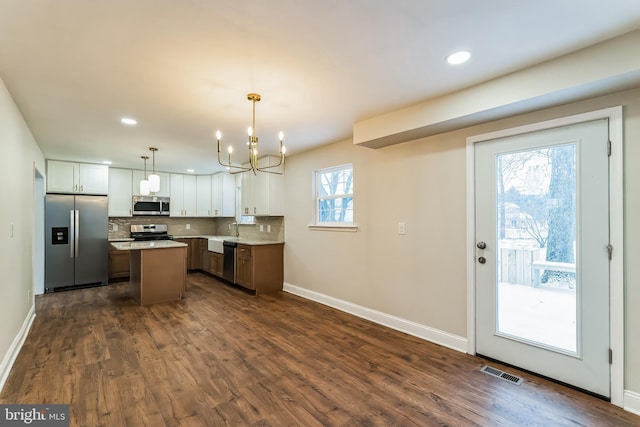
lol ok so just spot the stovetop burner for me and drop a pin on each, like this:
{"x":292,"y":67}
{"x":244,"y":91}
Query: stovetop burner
{"x":146,"y":232}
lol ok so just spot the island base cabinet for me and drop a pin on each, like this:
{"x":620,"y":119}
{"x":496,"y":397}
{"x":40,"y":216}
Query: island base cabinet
{"x":158,"y":275}
{"x":260,"y":267}
{"x":118,"y":264}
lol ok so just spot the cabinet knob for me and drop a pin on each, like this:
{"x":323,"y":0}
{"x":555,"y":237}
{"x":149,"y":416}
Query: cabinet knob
{"x":81,"y":188}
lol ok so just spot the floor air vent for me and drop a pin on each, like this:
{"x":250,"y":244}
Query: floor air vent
{"x":502,"y":375}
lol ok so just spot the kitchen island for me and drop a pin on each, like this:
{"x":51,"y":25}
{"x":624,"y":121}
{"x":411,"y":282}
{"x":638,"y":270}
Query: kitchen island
{"x":157,"y":269}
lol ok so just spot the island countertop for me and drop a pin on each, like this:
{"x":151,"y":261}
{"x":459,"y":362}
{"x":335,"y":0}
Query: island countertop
{"x":156,"y":244}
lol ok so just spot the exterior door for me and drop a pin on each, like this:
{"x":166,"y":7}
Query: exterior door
{"x":542,"y":257}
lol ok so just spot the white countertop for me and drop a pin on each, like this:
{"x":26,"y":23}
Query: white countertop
{"x":157,"y":244}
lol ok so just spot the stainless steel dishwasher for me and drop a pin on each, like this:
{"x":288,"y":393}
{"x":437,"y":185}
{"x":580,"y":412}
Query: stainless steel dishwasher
{"x":229,"y":265}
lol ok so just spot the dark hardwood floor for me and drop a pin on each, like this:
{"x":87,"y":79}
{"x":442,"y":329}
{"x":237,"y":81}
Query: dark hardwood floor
{"x":224,"y":357}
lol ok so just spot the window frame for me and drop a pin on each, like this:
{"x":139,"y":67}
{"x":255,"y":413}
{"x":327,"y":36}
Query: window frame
{"x":335,"y":226}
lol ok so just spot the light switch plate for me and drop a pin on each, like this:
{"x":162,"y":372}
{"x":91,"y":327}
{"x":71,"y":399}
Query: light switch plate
{"x":402,"y":228}
{"x":188,"y":226}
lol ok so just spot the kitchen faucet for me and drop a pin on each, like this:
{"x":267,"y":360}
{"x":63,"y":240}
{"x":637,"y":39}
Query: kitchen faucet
{"x":237,"y":228}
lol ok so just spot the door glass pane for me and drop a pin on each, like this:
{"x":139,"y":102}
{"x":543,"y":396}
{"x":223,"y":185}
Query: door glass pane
{"x":536,"y":235}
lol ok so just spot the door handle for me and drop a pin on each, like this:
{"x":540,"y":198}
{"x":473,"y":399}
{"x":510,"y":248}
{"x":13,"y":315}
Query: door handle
{"x":76,"y":236}
{"x":481,"y":245}
{"x":72,"y":232}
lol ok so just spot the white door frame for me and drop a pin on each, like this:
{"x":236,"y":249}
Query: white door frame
{"x":616,"y":277}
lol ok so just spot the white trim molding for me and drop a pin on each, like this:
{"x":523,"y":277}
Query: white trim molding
{"x":616,"y":215}
{"x":632,"y":402}
{"x":16,"y":346}
{"x":409,"y":327}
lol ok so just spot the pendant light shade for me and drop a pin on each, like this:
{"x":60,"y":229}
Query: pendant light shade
{"x":144,"y":183}
{"x":154,"y":178}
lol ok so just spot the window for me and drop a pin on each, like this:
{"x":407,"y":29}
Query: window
{"x":334,"y":196}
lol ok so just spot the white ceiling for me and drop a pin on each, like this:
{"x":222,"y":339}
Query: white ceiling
{"x":183,"y":68}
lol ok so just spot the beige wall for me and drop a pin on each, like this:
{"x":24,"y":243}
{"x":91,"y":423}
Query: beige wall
{"x":421,"y":276}
{"x":18,"y":152}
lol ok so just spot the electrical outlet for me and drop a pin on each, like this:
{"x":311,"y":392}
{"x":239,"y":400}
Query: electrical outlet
{"x":402,"y":228}
{"x":115,"y":227}
{"x":268,"y":228}
{"x":261,"y":228}
{"x":188,"y":226}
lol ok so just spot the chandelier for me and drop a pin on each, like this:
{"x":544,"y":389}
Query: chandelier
{"x":252,"y":144}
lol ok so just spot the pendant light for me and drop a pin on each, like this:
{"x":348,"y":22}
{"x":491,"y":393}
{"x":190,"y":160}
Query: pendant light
{"x":144,"y":183}
{"x":154,"y":178}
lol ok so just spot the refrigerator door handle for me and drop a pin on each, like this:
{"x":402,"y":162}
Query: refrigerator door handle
{"x":72,"y":231}
{"x":76,"y":235}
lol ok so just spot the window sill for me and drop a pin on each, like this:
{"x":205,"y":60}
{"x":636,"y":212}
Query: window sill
{"x":316,"y":227}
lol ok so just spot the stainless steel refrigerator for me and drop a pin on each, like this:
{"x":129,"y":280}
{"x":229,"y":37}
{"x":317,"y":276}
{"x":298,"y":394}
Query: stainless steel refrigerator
{"x":76,"y":246}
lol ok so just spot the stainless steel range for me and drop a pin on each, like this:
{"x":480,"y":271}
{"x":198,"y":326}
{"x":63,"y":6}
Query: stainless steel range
{"x":145,"y":232}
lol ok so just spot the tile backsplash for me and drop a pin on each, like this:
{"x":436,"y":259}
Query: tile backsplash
{"x":120,"y":227}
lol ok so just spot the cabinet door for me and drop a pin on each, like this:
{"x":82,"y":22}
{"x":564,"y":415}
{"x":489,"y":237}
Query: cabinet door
{"x":223,"y":195}
{"x":93,"y":179}
{"x":176,"y":206}
{"x":261,"y":194}
{"x":217,"y":264}
{"x":247,"y":194}
{"x":203,"y":195}
{"x":189,"y":195}
{"x":244,"y":267}
{"x":62,"y":177}
{"x":118,"y":264}
{"x":120,"y":192}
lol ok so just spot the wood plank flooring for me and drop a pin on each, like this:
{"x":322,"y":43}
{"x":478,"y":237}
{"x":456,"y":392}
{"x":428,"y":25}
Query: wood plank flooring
{"x":224,"y":357}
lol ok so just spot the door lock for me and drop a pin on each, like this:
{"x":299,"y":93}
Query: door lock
{"x":481,"y":245}
{"x":482,"y":260}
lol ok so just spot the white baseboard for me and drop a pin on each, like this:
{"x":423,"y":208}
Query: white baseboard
{"x":427,"y":333}
{"x":632,"y":402}
{"x":16,"y":345}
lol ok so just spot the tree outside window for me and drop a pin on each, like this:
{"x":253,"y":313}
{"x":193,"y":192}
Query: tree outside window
{"x":334,"y":195}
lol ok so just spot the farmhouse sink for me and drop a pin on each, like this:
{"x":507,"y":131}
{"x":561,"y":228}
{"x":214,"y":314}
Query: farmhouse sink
{"x":215,"y":244}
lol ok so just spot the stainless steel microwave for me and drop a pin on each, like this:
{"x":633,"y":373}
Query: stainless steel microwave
{"x":150,"y":205}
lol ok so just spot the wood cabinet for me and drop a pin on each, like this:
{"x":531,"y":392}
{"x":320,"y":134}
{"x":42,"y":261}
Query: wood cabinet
{"x":193,"y":252}
{"x":120,"y":192}
{"x":183,"y":195}
{"x":260,"y":267}
{"x":165,"y":183}
{"x":262,"y":194}
{"x":212,"y":262}
{"x":118,"y":264}
{"x":77,"y":178}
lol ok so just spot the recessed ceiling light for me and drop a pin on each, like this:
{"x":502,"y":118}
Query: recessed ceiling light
{"x":458,"y":57}
{"x":190,"y":170}
{"x":128,"y":121}
{"x":106,"y":162}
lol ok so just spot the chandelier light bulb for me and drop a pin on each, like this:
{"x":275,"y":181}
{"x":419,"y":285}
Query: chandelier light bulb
{"x":230,"y":149}
{"x":284,"y":149}
{"x":281,"y":136}
{"x":250,"y":131}
{"x":218,"y":135}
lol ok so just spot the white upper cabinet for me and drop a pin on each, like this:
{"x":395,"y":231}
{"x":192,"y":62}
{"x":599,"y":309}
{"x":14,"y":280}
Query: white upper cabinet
{"x":77,"y":178}
{"x":223,"y":195}
{"x":263,"y":194}
{"x":183,"y":195}
{"x":203,"y":195}
{"x":120,"y":193}
{"x":165,"y":180}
